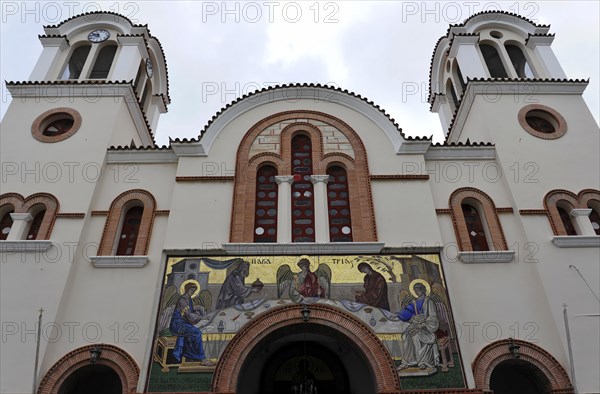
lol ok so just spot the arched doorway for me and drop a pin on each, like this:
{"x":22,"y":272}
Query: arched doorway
{"x":518,"y":377}
{"x":111,"y":370}
{"x":531,"y":370}
{"x":340,"y":354}
{"x":309,"y":355}
{"x":92,"y":379}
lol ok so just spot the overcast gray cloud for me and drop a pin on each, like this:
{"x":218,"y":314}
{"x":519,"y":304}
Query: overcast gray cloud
{"x":217,"y":51}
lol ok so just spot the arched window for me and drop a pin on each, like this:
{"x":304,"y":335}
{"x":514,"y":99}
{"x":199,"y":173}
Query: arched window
{"x":36,"y":223}
{"x":76,"y":62}
{"x":42,"y":207}
{"x":565,"y":219}
{"x":475,"y":228}
{"x":493,"y":61}
{"x":130,"y":229}
{"x":559,"y":204}
{"x":103,"y":62}
{"x":518,"y":61}
{"x":6,"y":220}
{"x":595,"y":219}
{"x":129,"y":225}
{"x":312,"y":154}
{"x":303,"y":211}
{"x":338,"y":205}
{"x":265,"y":213}
{"x":475,"y":221}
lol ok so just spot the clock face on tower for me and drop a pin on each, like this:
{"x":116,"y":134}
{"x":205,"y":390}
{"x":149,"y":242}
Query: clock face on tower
{"x":149,"y":70}
{"x":98,"y":35}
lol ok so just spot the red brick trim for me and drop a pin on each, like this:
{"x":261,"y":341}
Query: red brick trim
{"x":416,"y":177}
{"x":117,"y":208}
{"x":489,"y":211}
{"x":117,"y":359}
{"x":162,"y":212}
{"x":559,"y":120}
{"x":363,"y":214}
{"x":40,"y":123}
{"x":443,"y":211}
{"x":24,"y":205}
{"x":495,"y":353}
{"x":69,"y":215}
{"x":228,"y":369}
{"x":99,"y":213}
{"x":204,"y":178}
{"x":533,"y":212}
{"x":504,"y":210}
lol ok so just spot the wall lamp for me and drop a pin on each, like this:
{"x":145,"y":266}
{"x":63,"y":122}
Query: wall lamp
{"x":95,"y":354}
{"x":305,"y":313}
{"x":514,"y":349}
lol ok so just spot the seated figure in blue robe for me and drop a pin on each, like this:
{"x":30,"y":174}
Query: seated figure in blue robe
{"x":189,"y":337}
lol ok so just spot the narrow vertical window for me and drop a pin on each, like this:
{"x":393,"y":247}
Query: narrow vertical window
{"x":493,"y":61}
{"x":36,"y":223}
{"x":460,"y":77}
{"x":265,"y":212}
{"x":76,"y":62}
{"x":566,"y":221}
{"x":475,"y":228}
{"x":5,"y":224}
{"x":103,"y":62}
{"x":338,"y":205}
{"x":519,"y":62}
{"x":303,"y":213}
{"x":129,"y":231}
{"x":451,"y":94}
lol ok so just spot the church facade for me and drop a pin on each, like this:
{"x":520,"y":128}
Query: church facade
{"x":302,"y":243}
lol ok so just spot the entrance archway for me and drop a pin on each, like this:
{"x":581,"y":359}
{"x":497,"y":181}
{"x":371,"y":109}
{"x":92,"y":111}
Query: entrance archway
{"x":534,"y":368}
{"x":343,"y":354}
{"x":114,"y":368}
{"x":517,"y":376}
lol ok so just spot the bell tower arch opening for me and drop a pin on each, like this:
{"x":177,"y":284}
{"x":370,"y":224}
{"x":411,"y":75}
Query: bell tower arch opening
{"x":335,"y":351}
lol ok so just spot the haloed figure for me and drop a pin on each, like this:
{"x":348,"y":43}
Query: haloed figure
{"x":419,"y":345}
{"x":189,"y":337}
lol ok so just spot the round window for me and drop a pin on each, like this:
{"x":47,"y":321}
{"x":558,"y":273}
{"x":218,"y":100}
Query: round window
{"x":542,"y":122}
{"x":56,"y":125}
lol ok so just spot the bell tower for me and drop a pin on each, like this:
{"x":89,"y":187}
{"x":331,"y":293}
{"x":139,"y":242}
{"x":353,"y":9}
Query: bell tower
{"x":99,"y":63}
{"x":499,"y":58}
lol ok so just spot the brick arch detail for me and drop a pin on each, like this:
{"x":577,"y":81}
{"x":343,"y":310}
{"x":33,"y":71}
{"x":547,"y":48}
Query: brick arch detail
{"x":241,"y":228}
{"x":491,"y":217}
{"x":24,"y":205}
{"x":493,"y":354}
{"x":550,"y":201}
{"x":115,"y":358}
{"x":586,"y":195}
{"x":114,"y":217}
{"x":228,"y":369}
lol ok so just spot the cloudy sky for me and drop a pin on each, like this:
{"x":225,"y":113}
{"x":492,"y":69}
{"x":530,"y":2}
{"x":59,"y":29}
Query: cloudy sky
{"x":217,"y":51}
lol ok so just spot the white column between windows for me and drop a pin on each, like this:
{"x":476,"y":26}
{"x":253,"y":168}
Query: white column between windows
{"x":582,"y":220}
{"x":284,"y":211}
{"x":19,"y":226}
{"x":321,"y":216}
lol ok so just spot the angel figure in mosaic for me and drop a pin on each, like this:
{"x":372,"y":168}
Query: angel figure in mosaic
{"x":419,"y":342}
{"x":304,"y":284}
